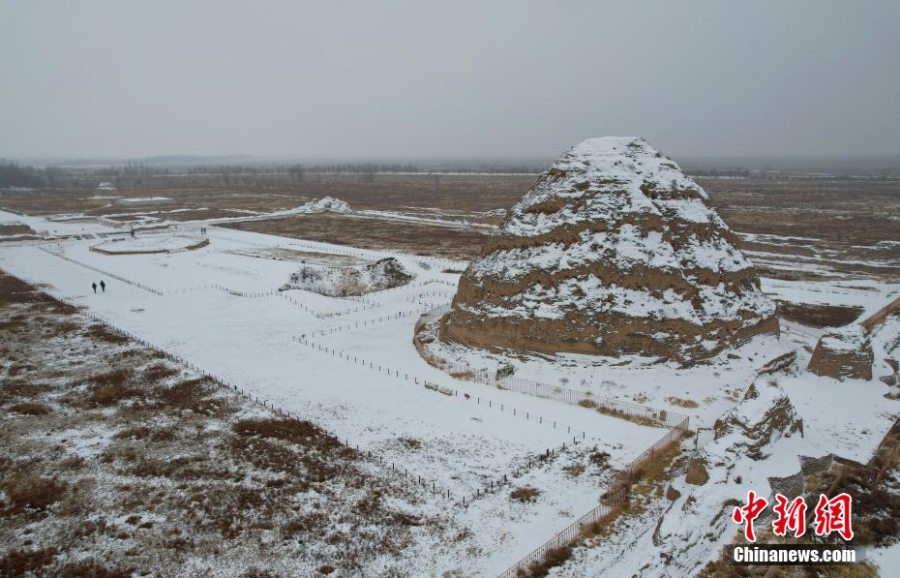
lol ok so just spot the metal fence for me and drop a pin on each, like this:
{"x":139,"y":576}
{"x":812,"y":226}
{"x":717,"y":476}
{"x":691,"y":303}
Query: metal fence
{"x":619,"y":483}
{"x":394,"y":468}
{"x":606,"y":405}
{"x":615,"y":497}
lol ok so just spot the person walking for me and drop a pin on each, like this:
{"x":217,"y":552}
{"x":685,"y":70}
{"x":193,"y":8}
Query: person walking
{"x":94,"y":285}
{"x":102,"y":286}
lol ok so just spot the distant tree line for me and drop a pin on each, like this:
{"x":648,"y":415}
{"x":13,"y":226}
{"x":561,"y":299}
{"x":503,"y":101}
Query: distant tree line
{"x":14,"y":175}
{"x":718,"y":172}
{"x":265,"y":175}
{"x":136,"y":173}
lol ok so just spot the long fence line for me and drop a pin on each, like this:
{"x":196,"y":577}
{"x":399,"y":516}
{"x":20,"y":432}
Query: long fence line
{"x":617,"y":491}
{"x":616,"y":495}
{"x":367,"y":322}
{"x":62,"y":256}
{"x":392,"y":467}
{"x":620,"y":482}
{"x":489,"y":486}
{"x":365,"y":304}
{"x":406,"y":473}
{"x":618,"y":485}
{"x":606,"y":405}
{"x":448,"y":391}
{"x":365,"y":300}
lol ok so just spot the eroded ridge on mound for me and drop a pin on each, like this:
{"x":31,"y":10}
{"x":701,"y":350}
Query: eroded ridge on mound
{"x":613,"y":250}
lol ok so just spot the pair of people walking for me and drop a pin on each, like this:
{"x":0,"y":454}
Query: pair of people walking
{"x":102,"y":286}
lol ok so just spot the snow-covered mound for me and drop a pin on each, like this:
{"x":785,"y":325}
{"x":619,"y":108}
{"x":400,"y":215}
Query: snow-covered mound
{"x":693,"y":530}
{"x":843,"y":353}
{"x":326,"y":204}
{"x":763,"y":416}
{"x":353,"y":280}
{"x":613,"y":250}
{"x":141,"y":201}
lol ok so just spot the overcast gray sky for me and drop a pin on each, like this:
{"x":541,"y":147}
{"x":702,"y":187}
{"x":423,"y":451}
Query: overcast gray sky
{"x":429,"y":79}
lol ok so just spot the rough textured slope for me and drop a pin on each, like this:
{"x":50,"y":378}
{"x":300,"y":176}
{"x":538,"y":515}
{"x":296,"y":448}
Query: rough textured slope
{"x":613,"y":250}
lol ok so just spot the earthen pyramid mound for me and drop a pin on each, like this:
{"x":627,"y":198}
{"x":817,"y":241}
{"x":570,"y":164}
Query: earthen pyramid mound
{"x":613,"y":250}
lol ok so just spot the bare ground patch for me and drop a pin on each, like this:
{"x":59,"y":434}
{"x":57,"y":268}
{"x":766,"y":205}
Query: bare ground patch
{"x":408,"y":237}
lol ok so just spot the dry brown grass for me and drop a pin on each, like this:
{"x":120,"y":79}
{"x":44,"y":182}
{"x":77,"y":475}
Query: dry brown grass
{"x":111,"y":388}
{"x":411,"y":443}
{"x":654,"y":472}
{"x":27,"y":491}
{"x":159,"y":372}
{"x":31,"y":408}
{"x":219,"y":482}
{"x":14,"y":290}
{"x":526,"y":495}
{"x":638,"y":419}
{"x":154,"y":434}
{"x":104,"y":333}
{"x":599,"y":458}
{"x":26,"y":562}
{"x":197,"y":395}
{"x":552,"y":558}
{"x":604,"y":526}
{"x":409,"y":237}
{"x":681,"y":402}
{"x":289,"y":429}
{"x":114,"y":378}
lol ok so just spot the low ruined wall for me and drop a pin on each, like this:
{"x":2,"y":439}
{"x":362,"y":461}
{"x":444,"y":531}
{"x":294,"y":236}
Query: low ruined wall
{"x":618,"y":335}
{"x":198,"y":245}
{"x":848,"y":361}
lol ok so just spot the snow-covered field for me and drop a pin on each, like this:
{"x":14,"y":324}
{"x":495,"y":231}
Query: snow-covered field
{"x":350,"y":366}
{"x":357,"y":374}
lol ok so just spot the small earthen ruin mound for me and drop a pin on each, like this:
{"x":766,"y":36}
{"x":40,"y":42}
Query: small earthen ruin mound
{"x":844,"y":353}
{"x":762,"y":417}
{"x":350,"y":280}
{"x":613,"y":250}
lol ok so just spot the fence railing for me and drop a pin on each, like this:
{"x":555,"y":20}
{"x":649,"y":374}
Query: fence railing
{"x":392,"y":467}
{"x":619,"y":483}
{"x":62,"y":256}
{"x":606,"y":405}
{"x":564,"y":537}
{"x":616,"y":495}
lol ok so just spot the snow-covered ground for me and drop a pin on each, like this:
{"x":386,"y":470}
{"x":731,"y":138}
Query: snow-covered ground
{"x":869,"y":294}
{"x":357,"y":373}
{"x":350,"y":366}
